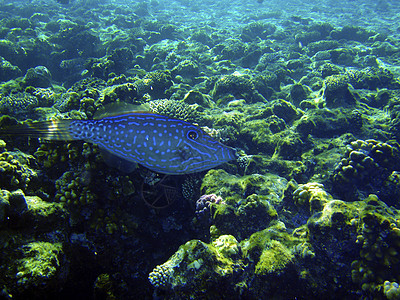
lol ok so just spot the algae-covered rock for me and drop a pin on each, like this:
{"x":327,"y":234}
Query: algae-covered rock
{"x":233,"y":188}
{"x":255,"y":30}
{"x":247,"y":201}
{"x":337,"y":92}
{"x":7,"y":70}
{"x":126,"y":93}
{"x":39,"y":76}
{"x":285,"y":110}
{"x":154,"y":83}
{"x":238,"y":85}
{"x":354,"y":33}
{"x":41,"y":265}
{"x":4,"y":206}
{"x":363,"y":236}
{"x":198,"y":267}
{"x":328,"y":122}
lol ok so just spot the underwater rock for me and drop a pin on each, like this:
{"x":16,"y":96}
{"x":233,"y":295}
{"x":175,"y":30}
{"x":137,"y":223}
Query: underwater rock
{"x":383,"y":49}
{"x":329,"y":69}
{"x":260,"y":136}
{"x":322,"y":45}
{"x":7,"y":70}
{"x":40,"y":264}
{"x":235,"y":84}
{"x":267,"y":84}
{"x":255,"y":30}
{"x":126,"y":93}
{"x":230,"y":49}
{"x":203,"y":37}
{"x":285,"y":110}
{"x":247,"y":201}
{"x":352,"y":33}
{"x":18,"y":204}
{"x":197,"y":267}
{"x":337,"y":92}
{"x":298,"y":93}
{"x":381,"y":98}
{"x":290,"y":146}
{"x":270,"y":251}
{"x":154,"y":83}
{"x":196,"y":97}
{"x":4,"y":206}
{"x":186,"y":68}
{"x":39,"y":76}
{"x":13,"y":53}
{"x":325,"y":123}
{"x":305,"y":38}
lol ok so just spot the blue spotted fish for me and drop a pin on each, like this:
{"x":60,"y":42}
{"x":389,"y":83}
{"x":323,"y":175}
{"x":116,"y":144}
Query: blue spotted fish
{"x":161,"y":144}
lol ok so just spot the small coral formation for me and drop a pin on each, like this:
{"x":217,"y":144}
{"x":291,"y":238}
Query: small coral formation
{"x":155,"y":84}
{"x":238,"y":85}
{"x":311,"y":196}
{"x":16,"y":170}
{"x":175,"y":109}
{"x":337,"y":92}
{"x":391,"y":290}
{"x":379,"y":239}
{"x":368,"y":165}
{"x":18,"y":103}
{"x":73,"y":189}
{"x":41,"y":264}
{"x":203,"y":206}
{"x":197,"y":267}
{"x":125,"y":92}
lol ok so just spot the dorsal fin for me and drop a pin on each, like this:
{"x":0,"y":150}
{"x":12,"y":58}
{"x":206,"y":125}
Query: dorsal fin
{"x":118,"y":108}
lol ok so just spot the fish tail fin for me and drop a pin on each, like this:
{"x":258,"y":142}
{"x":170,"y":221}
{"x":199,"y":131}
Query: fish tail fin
{"x":54,"y":130}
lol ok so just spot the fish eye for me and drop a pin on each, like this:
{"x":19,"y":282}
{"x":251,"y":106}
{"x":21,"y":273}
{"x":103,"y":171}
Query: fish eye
{"x":192,"y":134}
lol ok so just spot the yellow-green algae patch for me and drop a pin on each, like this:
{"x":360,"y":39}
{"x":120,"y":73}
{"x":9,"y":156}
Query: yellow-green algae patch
{"x":41,"y":261}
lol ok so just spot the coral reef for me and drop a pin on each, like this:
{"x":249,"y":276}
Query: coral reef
{"x":307,"y":94}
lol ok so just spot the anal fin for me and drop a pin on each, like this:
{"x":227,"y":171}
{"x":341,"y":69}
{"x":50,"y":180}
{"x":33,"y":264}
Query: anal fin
{"x":117,"y":162}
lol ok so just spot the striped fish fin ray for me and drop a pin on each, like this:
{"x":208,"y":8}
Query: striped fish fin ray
{"x":54,"y":130}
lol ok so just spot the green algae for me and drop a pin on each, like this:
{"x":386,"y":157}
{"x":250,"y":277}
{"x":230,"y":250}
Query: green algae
{"x":41,"y":262}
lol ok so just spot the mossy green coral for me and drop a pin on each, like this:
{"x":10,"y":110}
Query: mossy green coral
{"x":41,"y":262}
{"x":274,"y":258}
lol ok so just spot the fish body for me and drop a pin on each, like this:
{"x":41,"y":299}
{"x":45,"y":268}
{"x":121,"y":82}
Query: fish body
{"x":160,"y":143}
